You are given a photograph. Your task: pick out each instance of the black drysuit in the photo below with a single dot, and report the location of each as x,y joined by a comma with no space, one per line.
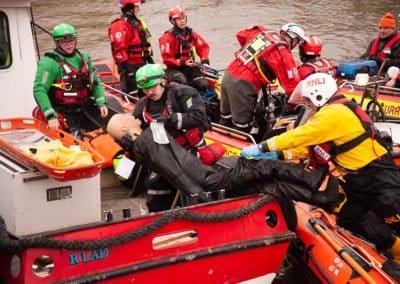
185,172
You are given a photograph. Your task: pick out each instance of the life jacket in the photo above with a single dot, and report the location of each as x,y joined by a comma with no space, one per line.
381,55
74,87
188,138
103,143
321,154
322,66
185,50
140,45
253,53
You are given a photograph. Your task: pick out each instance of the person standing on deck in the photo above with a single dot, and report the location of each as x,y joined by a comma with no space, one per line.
130,44
264,56
310,56
340,132
66,87
387,45
179,47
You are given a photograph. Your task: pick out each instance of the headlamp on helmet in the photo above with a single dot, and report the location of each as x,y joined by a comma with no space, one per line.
149,75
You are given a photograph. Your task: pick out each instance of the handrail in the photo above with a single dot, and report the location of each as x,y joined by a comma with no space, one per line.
233,132
122,93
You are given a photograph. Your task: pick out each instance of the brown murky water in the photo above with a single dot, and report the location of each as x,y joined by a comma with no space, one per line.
345,27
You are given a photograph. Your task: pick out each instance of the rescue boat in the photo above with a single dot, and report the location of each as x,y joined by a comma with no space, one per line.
53,228
383,103
156,248
53,231
325,253
362,81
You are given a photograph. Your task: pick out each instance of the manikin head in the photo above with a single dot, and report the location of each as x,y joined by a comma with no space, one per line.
123,123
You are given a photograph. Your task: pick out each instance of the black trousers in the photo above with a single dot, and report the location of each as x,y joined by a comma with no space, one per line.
189,76
373,202
128,80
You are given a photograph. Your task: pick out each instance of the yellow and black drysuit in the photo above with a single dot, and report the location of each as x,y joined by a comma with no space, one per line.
371,179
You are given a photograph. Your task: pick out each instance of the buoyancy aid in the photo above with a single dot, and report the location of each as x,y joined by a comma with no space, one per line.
381,55
323,66
140,45
74,87
185,39
253,53
322,154
187,138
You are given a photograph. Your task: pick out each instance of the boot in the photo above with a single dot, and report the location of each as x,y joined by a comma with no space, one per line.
392,266
395,250
330,198
287,190
247,171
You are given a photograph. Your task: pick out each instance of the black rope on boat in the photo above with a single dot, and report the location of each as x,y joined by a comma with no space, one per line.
10,244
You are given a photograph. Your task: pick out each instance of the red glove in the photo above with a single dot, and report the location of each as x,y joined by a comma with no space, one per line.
210,154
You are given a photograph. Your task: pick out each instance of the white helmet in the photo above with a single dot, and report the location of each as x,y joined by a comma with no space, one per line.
318,88
294,31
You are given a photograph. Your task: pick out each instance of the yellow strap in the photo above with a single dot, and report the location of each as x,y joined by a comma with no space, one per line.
62,86
260,70
146,29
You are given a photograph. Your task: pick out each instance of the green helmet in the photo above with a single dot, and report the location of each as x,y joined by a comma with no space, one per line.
149,75
63,30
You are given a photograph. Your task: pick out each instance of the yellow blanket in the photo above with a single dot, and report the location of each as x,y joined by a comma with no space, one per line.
55,154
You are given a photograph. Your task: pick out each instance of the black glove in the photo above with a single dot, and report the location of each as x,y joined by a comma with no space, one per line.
170,120
124,65
127,143
205,61
149,59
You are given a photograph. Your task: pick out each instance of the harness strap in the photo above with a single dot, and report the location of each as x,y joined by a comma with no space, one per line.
365,120
178,36
338,149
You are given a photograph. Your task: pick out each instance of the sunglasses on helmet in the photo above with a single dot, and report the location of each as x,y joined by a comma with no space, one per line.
145,80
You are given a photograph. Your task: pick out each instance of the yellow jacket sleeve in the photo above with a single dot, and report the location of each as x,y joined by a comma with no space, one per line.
336,123
295,153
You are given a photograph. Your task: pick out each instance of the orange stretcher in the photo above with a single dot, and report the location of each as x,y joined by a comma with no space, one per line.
15,133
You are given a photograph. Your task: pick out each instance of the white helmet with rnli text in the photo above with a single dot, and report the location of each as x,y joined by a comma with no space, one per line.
318,88
294,31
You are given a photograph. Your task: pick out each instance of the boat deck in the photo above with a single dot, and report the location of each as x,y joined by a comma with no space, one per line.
115,197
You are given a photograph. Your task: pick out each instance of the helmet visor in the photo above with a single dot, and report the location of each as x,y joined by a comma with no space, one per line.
297,95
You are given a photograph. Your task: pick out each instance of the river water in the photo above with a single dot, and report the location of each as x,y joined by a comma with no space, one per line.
345,27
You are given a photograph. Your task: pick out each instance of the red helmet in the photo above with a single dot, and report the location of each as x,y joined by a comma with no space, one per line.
176,12
123,3
312,45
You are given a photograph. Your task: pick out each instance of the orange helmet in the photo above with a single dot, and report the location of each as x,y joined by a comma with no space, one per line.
123,3
312,45
176,12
